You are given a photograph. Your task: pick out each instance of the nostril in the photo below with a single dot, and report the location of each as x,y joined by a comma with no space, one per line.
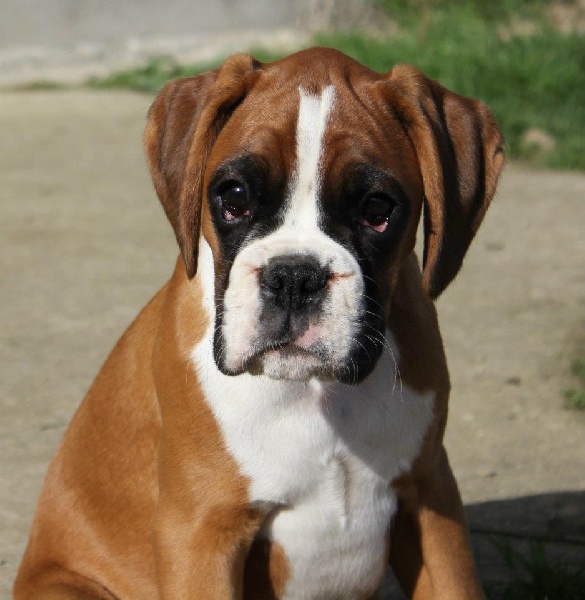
313,281
273,280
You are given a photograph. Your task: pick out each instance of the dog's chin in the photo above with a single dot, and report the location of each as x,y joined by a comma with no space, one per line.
284,363
289,363
293,363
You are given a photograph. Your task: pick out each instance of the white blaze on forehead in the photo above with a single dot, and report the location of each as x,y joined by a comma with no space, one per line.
313,114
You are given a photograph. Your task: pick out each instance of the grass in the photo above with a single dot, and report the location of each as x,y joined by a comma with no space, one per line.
405,11
575,397
149,78
152,76
42,85
536,577
531,82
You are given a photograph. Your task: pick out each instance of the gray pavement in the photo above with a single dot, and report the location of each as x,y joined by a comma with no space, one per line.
84,244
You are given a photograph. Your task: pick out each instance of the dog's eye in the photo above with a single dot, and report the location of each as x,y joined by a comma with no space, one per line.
234,201
376,211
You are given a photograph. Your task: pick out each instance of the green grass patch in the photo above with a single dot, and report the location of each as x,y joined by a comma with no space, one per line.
575,397
536,577
41,86
533,83
151,77
405,11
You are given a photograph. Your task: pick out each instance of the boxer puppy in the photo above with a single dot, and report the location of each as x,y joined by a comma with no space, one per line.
271,425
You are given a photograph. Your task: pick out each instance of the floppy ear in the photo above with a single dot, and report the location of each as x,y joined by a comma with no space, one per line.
183,124
460,152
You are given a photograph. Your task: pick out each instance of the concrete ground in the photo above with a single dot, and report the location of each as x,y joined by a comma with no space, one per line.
84,244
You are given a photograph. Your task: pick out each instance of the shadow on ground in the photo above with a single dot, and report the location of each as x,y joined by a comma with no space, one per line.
552,523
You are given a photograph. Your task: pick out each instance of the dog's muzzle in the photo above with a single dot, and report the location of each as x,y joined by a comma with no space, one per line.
297,314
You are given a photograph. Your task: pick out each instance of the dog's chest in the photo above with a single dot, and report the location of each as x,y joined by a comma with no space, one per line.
331,513
320,458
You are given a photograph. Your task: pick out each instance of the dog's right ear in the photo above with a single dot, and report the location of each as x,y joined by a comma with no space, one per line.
183,124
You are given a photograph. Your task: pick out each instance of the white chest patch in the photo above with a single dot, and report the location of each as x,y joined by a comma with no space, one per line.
323,456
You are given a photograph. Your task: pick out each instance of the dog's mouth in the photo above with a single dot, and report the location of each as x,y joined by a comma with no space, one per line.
294,354
290,361
302,356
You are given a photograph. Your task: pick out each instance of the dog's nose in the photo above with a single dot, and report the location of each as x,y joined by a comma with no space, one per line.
294,282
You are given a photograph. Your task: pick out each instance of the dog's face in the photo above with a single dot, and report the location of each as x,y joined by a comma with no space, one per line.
308,176
312,210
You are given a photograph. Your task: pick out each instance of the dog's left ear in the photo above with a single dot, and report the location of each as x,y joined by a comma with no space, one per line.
183,124
460,151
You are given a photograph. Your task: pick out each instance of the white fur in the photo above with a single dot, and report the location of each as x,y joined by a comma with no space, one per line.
322,456
312,121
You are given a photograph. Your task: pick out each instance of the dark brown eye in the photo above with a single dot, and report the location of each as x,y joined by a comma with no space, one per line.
376,211
234,201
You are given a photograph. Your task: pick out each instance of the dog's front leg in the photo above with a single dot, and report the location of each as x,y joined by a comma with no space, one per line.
430,550
201,550
204,524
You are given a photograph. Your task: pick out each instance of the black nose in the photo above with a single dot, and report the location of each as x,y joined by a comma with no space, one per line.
294,282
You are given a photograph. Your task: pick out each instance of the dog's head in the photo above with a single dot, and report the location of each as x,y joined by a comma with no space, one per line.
307,177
